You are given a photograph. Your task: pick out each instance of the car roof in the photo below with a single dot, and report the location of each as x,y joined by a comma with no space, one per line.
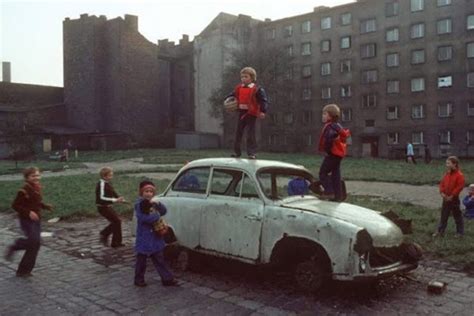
250,165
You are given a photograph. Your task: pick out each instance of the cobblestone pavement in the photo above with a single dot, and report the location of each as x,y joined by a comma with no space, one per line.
76,275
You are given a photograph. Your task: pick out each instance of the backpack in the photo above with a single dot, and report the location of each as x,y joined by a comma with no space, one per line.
339,146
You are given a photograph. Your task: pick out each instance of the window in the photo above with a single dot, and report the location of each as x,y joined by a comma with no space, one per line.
346,18
306,71
222,180
369,76
193,180
417,56
346,115
289,50
470,109
345,42
445,109
306,49
444,26
470,137
367,26
325,93
392,60
393,138
245,188
470,80
445,81
273,140
326,23
288,118
392,8
442,3
392,35
393,86
346,91
307,117
325,46
392,113
273,118
306,27
470,22
417,84
369,123
417,138
470,50
418,111
289,73
368,50
445,53
325,69
369,100
417,30
306,94
346,66
270,34
288,31
445,137
417,5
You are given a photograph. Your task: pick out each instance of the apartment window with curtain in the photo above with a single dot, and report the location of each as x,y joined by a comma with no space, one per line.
444,26
417,31
418,111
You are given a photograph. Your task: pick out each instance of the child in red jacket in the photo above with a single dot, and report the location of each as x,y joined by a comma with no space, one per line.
333,143
450,187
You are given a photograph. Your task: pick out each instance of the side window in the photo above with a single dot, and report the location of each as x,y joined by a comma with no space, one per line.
247,187
192,180
221,181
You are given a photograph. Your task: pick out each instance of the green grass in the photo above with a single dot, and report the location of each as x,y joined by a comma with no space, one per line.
425,221
10,167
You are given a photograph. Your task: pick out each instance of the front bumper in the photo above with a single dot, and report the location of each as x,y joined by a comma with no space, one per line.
386,271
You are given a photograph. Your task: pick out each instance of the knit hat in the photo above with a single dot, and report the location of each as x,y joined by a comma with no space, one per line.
146,184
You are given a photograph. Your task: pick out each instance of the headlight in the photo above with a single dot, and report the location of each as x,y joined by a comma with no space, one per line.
363,262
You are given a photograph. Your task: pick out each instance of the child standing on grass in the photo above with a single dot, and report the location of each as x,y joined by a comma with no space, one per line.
252,104
28,204
468,202
333,143
105,196
148,242
450,187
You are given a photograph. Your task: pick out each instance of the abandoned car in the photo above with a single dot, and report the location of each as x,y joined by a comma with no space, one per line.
252,211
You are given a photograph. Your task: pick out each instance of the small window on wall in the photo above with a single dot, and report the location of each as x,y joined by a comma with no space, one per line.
306,94
326,23
273,140
306,27
393,60
470,22
442,3
288,31
417,84
346,115
306,71
417,31
392,113
470,108
367,26
345,42
307,117
417,5
470,137
306,49
393,86
369,76
445,81
444,26
417,138
445,53
346,66
288,118
392,35
417,56
445,137
393,138
270,34
369,100
346,91
346,18
369,123
325,69
325,46
325,93
392,8
289,50
470,80
368,50
470,50
445,110
418,111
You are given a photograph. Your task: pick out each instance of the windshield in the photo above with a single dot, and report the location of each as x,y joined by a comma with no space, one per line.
278,184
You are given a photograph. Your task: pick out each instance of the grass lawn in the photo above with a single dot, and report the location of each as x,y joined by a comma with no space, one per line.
352,168
10,167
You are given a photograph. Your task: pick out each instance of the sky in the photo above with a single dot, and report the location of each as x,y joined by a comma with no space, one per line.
31,30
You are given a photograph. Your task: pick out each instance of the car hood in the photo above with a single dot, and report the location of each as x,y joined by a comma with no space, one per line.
383,231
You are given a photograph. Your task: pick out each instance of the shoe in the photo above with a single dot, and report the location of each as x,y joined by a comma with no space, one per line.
235,155
252,157
117,245
9,253
103,240
437,234
458,235
24,274
171,282
140,284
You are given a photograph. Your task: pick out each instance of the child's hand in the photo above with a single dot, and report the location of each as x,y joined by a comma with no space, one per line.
34,216
262,115
48,207
120,199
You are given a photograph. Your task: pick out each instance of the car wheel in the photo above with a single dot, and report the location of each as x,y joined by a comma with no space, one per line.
311,275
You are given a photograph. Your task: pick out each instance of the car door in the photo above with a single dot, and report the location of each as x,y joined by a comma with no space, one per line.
231,220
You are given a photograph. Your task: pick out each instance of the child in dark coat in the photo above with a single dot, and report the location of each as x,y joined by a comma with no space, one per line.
28,204
468,202
148,242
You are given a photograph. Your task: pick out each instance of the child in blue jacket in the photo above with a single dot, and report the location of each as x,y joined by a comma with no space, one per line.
468,202
148,242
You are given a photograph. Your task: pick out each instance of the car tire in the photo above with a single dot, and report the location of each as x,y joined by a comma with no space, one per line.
311,275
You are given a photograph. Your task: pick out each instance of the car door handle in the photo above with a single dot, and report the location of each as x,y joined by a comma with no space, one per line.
253,217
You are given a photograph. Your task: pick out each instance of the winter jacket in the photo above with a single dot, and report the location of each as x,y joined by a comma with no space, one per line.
252,96
105,193
147,241
468,202
28,199
298,186
452,183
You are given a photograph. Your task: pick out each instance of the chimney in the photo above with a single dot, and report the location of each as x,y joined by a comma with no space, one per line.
6,71
131,21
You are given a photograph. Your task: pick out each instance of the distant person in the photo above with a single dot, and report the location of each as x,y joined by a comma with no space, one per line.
148,242
28,205
105,196
410,155
298,186
252,104
427,154
468,202
188,182
450,187
333,143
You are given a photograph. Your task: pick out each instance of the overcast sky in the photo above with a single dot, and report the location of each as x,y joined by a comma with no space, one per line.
31,30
